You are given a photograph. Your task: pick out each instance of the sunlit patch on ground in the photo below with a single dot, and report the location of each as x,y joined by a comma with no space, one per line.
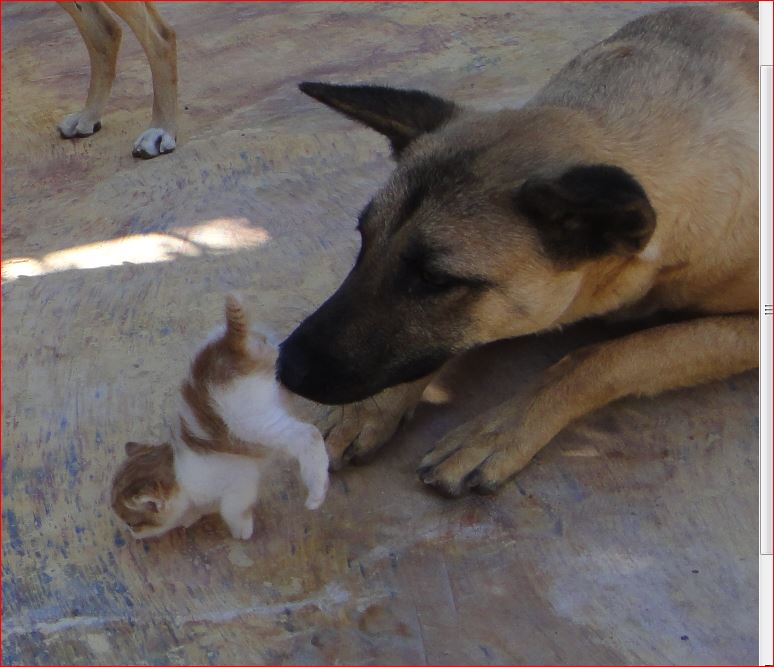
213,236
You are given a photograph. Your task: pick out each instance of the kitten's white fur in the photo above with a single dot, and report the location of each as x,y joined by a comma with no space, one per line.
253,410
208,484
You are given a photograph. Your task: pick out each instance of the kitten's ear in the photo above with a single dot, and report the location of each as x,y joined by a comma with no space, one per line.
149,503
132,448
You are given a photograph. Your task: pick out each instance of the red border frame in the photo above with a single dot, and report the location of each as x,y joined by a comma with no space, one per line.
448,1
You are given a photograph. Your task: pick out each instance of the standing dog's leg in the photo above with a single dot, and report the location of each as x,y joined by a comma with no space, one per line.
649,362
158,41
102,35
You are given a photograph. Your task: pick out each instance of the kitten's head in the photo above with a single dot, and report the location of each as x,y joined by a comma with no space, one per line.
145,494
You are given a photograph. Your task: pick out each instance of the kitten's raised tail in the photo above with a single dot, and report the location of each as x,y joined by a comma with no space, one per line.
237,329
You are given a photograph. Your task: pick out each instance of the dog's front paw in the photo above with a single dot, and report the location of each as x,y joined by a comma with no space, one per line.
153,142
470,459
79,124
353,433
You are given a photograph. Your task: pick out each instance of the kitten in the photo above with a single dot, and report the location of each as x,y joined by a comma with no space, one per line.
233,419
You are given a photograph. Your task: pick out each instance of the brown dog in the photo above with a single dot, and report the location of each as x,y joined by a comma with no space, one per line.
626,186
102,34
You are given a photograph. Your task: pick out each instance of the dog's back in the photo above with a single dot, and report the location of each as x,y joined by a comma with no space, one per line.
675,94
676,61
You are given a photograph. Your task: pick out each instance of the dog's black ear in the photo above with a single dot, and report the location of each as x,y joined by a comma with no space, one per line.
588,212
400,115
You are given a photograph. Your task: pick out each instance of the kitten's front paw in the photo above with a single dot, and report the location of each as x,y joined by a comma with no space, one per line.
315,499
153,142
79,124
243,530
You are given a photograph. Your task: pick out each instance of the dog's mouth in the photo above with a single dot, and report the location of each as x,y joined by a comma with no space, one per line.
319,382
330,395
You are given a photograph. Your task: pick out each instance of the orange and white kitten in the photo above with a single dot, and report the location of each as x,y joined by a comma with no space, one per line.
233,420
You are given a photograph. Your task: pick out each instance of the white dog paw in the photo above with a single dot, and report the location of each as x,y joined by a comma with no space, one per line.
153,142
80,124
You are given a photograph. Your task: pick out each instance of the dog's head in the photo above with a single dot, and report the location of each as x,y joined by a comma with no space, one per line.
482,232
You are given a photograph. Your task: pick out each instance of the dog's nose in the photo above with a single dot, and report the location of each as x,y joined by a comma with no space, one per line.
292,365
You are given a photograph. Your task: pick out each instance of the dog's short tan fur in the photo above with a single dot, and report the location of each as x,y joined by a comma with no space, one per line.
102,34
669,103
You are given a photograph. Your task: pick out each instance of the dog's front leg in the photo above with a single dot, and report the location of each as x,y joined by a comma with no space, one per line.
159,43
354,432
483,455
102,36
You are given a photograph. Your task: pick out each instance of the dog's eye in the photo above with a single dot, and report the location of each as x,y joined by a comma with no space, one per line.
436,280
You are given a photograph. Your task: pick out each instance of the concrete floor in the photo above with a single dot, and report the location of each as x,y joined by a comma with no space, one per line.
631,539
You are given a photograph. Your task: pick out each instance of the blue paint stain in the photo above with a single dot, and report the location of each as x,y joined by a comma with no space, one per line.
12,652
12,527
72,464
63,423
121,590
577,492
80,530
118,540
10,591
45,614
165,331
99,589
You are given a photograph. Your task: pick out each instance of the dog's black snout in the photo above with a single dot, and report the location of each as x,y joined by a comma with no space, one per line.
293,365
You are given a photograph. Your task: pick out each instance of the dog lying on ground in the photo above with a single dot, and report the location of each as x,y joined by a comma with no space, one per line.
101,32
627,186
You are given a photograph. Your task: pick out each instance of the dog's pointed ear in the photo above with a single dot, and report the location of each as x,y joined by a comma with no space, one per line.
400,115
588,212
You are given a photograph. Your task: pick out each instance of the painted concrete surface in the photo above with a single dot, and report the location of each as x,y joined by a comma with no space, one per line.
631,538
